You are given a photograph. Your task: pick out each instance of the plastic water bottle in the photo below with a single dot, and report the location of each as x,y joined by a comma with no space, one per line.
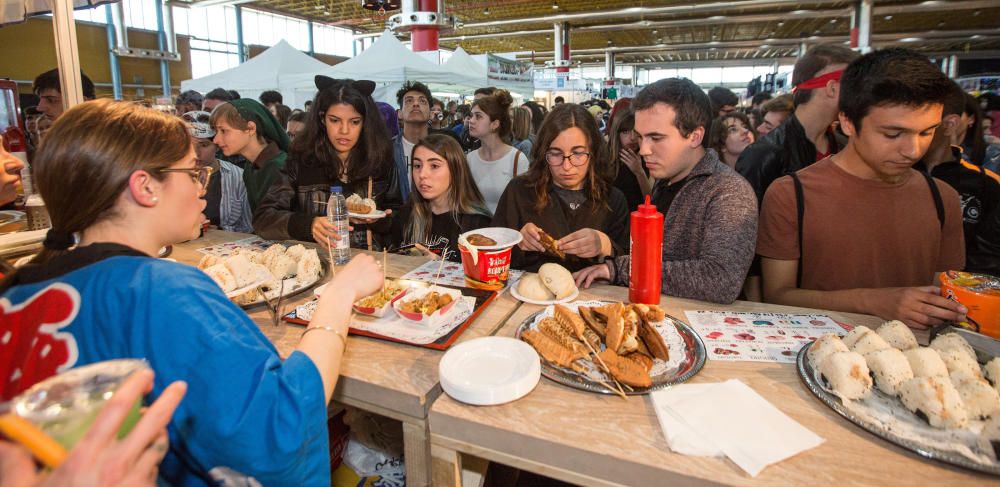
336,213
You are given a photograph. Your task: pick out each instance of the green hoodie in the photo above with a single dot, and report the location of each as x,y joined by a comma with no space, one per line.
264,170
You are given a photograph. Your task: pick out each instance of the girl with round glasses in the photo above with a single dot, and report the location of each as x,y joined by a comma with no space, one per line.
567,195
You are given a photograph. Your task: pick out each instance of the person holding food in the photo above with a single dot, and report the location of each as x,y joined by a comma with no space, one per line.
445,201
343,144
244,127
121,181
565,207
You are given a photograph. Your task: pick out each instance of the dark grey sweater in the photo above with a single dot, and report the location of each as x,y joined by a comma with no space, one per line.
709,234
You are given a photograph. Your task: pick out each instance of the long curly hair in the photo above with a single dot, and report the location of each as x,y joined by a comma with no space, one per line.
563,117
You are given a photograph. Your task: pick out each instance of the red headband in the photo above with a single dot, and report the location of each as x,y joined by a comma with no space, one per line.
819,81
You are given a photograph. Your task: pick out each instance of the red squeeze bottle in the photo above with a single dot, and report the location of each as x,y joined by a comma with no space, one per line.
646,247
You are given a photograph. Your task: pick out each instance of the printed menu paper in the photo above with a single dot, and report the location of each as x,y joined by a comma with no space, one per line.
759,337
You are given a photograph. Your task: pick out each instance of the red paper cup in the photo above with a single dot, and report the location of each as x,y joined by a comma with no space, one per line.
490,268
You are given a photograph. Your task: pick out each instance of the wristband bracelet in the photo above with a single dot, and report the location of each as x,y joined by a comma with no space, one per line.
336,332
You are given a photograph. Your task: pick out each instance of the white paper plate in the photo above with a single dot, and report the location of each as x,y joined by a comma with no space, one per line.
489,370
375,215
567,299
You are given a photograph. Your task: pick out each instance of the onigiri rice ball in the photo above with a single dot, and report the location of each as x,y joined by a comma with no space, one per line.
959,361
935,400
869,342
889,368
848,375
853,335
981,400
993,372
925,362
953,340
823,347
897,334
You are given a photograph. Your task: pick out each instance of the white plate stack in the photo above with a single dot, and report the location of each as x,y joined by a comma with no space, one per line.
490,370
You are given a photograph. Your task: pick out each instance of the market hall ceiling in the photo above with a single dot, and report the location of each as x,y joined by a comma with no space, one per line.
677,30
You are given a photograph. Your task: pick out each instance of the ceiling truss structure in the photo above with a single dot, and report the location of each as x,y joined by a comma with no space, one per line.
645,31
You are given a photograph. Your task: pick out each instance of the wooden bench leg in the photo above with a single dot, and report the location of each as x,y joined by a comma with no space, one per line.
416,452
446,465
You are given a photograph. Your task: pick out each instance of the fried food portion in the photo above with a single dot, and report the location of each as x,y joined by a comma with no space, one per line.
357,204
645,361
562,334
653,340
552,351
651,312
382,296
427,304
592,321
550,244
567,317
616,326
625,370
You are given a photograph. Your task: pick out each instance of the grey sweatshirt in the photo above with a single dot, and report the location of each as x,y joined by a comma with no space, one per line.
709,234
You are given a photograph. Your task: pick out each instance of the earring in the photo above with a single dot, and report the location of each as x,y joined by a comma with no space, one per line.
156,199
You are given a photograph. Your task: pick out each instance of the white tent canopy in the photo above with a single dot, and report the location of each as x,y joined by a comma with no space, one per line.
262,73
462,62
389,64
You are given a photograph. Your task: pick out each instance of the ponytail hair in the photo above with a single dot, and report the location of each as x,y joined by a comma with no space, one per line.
497,107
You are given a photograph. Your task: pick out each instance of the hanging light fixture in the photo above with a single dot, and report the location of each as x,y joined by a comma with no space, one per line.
555,5
380,6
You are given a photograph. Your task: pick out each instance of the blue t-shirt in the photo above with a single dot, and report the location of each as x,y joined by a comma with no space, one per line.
246,412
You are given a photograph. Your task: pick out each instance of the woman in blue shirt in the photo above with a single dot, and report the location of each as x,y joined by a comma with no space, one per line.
119,182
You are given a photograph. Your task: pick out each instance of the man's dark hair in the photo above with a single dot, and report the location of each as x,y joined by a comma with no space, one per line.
219,94
892,76
308,104
271,96
298,116
485,91
435,101
955,103
760,98
559,99
190,96
814,61
412,86
49,80
462,111
691,106
720,97
234,95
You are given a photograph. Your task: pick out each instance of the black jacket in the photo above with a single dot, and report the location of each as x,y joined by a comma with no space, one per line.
980,200
300,194
783,151
517,207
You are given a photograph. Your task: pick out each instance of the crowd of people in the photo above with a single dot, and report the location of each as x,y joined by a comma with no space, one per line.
850,193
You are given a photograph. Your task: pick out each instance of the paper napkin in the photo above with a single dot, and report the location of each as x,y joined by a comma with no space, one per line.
729,418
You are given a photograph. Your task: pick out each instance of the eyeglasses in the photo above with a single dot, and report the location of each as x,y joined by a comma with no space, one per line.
201,175
557,158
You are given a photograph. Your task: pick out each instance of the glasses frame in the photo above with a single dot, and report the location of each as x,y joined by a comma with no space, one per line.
195,173
575,156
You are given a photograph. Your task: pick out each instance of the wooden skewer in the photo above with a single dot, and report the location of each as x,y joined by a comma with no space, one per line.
604,365
385,268
612,389
440,267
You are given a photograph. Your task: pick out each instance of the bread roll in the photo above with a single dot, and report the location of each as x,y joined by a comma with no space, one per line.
531,287
558,279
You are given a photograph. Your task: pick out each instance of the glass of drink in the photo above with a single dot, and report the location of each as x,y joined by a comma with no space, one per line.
64,406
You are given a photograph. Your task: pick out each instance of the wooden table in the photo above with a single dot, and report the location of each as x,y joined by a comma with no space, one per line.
390,379
592,439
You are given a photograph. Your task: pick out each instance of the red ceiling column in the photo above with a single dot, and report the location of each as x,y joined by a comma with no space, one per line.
425,38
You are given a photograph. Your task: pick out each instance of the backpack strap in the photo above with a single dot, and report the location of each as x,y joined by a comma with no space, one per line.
800,210
517,155
936,194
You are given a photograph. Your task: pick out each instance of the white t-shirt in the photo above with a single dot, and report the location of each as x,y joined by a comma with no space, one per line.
492,176
407,152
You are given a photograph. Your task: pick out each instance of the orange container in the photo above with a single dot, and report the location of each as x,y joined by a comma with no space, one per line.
489,268
978,292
